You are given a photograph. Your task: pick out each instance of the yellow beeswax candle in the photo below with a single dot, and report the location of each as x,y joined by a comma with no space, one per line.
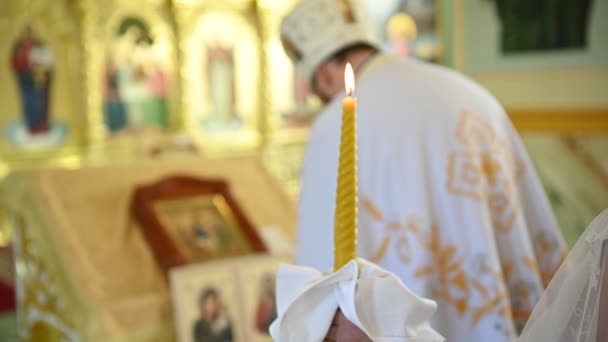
345,221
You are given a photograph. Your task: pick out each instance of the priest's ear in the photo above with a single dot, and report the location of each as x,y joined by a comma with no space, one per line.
328,80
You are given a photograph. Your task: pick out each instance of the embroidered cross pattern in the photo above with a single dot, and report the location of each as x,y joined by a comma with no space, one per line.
396,234
446,267
483,168
474,295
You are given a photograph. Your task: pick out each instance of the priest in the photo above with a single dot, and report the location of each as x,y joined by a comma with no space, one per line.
448,198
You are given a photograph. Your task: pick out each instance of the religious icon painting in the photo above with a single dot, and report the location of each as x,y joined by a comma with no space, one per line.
32,62
188,220
206,303
225,300
221,80
204,227
41,98
259,297
137,72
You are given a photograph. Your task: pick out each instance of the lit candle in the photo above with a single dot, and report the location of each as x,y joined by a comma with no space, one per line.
345,221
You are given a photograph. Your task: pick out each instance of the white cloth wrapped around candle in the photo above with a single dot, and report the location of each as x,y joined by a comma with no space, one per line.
375,300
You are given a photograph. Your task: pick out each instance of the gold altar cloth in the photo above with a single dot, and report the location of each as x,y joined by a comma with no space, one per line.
83,265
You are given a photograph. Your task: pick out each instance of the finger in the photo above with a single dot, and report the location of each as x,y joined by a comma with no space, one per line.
332,333
338,317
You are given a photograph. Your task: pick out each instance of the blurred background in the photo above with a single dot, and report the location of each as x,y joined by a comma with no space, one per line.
134,84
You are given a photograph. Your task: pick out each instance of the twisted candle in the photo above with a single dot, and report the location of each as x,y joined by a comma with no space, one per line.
345,220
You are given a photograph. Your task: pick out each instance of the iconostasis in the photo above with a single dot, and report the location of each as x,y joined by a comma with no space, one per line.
83,80
87,81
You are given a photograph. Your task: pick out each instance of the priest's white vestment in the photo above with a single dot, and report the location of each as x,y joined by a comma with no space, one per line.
448,198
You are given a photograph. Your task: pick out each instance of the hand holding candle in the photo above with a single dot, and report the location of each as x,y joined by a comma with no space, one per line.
345,221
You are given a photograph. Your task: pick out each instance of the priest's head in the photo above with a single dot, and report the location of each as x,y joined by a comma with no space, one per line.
321,36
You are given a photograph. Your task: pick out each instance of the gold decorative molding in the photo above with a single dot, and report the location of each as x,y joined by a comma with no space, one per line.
562,121
235,24
230,5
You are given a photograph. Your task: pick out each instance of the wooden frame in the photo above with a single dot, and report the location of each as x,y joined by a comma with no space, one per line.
144,209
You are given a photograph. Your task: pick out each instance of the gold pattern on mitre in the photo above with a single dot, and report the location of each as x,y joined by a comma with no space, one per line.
347,10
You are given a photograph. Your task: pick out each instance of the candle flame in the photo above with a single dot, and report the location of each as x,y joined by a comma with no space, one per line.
349,79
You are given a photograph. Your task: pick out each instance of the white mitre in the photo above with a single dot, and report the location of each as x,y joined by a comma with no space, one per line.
316,29
373,299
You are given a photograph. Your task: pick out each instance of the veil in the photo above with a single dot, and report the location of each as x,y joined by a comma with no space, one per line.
570,309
